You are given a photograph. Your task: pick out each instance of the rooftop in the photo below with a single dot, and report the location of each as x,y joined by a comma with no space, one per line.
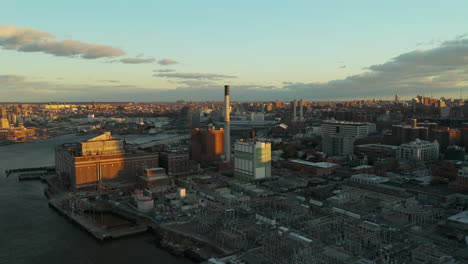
345,123
419,142
314,164
370,177
460,217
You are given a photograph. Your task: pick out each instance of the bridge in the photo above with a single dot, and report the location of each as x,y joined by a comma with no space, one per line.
164,141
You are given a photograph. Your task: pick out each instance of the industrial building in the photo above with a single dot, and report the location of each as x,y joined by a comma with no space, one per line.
156,180
176,163
84,164
207,144
252,160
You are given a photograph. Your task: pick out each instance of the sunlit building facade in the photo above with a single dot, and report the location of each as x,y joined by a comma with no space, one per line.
85,164
252,160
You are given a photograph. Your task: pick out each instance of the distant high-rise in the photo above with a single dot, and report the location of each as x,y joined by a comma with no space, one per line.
294,114
301,110
3,112
294,107
4,123
278,104
397,99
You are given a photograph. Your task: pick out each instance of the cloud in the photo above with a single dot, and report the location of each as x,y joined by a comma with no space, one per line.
12,37
206,76
71,48
31,40
137,60
110,81
167,62
11,78
442,69
431,42
165,70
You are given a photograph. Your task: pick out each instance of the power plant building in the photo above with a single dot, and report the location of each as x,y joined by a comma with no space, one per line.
207,144
252,160
85,164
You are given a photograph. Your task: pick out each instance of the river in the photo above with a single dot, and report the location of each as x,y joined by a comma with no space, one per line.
31,232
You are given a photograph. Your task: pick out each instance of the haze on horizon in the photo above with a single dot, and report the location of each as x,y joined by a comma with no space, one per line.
155,51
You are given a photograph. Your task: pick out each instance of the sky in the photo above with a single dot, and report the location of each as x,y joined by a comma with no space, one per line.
160,51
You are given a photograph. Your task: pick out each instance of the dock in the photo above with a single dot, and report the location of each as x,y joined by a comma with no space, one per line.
45,169
31,176
96,230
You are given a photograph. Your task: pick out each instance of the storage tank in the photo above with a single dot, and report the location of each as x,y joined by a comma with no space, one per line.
137,194
145,203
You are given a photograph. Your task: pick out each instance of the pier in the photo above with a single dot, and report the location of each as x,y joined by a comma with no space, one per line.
93,228
45,169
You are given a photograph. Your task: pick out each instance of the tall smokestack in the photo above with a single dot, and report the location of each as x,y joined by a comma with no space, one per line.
227,125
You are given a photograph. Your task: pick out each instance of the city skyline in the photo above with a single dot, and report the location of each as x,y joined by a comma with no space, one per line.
162,52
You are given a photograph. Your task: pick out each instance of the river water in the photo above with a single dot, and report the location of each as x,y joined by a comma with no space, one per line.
31,232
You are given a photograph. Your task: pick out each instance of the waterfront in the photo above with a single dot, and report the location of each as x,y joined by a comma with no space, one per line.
34,233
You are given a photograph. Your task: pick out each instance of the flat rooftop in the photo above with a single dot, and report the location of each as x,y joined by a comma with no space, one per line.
460,217
314,164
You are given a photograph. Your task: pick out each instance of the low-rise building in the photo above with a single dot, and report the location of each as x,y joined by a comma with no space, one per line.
461,181
318,169
459,221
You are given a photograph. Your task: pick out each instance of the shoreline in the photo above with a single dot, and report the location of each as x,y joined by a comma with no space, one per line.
176,243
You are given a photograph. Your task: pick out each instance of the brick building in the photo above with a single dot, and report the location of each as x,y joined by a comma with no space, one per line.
84,164
176,163
207,144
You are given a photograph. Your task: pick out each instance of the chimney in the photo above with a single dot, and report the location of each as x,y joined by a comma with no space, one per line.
227,124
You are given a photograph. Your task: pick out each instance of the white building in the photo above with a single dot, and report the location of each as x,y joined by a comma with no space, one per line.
368,178
338,136
419,150
252,160
256,116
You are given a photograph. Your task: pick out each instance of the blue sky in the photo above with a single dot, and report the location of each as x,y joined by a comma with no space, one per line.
268,49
